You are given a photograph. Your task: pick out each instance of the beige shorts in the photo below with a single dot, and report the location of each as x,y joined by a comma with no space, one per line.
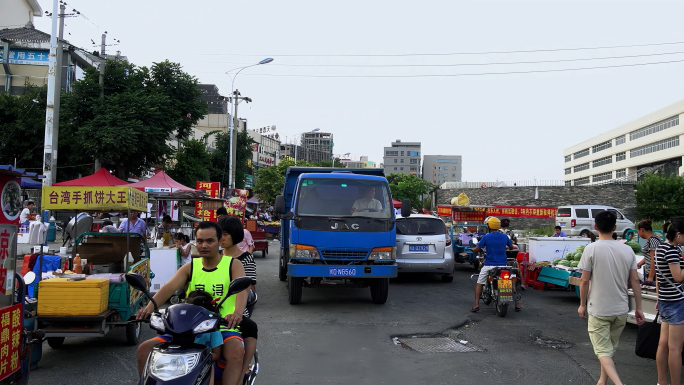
604,333
482,278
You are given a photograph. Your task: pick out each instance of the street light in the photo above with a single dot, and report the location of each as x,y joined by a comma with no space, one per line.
233,123
300,135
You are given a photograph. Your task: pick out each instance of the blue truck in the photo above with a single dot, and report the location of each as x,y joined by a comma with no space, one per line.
337,224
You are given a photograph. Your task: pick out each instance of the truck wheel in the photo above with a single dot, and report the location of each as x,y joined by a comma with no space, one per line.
55,342
282,268
294,293
379,290
133,333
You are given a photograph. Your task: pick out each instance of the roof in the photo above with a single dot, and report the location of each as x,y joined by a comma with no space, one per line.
7,169
24,34
159,180
101,177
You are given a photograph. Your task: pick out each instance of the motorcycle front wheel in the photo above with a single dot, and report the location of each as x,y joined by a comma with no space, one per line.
501,309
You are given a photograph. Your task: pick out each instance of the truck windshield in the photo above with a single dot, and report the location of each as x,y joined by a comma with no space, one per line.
344,197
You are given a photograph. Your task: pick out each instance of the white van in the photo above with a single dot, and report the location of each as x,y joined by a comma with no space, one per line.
579,219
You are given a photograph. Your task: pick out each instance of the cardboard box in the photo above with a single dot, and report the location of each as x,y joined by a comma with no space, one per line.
574,280
59,296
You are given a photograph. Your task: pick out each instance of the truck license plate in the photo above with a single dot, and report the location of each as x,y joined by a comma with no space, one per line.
419,248
341,272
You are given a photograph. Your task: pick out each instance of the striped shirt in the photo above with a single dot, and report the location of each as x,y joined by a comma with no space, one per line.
651,244
250,270
665,255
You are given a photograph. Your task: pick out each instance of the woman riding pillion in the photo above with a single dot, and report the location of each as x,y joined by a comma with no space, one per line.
496,243
211,273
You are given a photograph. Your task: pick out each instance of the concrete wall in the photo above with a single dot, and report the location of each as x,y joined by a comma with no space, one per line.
621,197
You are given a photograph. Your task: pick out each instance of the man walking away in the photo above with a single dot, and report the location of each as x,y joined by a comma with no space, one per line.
608,265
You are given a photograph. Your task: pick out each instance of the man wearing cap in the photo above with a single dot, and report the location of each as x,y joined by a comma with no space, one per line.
496,243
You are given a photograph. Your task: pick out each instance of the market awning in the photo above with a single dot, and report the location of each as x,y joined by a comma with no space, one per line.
93,198
30,183
208,203
255,200
160,182
101,177
396,204
8,169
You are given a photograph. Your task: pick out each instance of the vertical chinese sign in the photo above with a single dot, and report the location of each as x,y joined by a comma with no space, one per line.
237,203
213,189
10,337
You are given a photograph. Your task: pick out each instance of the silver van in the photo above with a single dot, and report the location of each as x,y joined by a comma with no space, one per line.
579,219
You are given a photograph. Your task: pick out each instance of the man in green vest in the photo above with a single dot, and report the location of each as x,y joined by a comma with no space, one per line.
211,273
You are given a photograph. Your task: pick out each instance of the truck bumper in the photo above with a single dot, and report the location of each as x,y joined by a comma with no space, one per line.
342,271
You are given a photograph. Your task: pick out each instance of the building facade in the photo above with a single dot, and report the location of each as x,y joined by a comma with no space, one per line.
402,158
319,142
627,152
438,169
298,153
363,162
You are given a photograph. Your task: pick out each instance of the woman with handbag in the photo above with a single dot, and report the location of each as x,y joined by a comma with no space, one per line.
669,266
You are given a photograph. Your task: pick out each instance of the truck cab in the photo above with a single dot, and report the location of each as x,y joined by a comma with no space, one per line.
337,224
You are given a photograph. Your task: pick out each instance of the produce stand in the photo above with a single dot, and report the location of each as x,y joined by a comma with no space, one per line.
90,306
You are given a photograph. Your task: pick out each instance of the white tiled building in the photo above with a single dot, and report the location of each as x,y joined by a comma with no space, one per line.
629,150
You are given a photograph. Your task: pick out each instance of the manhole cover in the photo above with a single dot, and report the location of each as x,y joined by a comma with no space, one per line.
436,345
553,343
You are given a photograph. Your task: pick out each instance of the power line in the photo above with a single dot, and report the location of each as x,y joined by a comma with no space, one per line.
450,54
465,74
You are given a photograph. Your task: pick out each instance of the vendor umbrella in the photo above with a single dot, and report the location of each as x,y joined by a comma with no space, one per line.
396,204
101,177
160,181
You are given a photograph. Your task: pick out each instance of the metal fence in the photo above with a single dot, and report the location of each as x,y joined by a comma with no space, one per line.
631,180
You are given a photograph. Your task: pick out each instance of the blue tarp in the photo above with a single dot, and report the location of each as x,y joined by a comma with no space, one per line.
30,183
50,263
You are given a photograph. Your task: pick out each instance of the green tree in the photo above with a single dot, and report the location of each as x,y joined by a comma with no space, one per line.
22,127
220,158
408,186
271,180
191,163
660,198
129,127
329,163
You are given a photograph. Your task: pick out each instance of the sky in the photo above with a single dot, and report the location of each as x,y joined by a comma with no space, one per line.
371,72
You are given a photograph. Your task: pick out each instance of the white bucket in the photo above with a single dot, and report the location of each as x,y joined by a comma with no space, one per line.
62,250
36,249
46,249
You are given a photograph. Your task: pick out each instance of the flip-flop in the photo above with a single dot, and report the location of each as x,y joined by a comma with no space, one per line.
518,308
474,309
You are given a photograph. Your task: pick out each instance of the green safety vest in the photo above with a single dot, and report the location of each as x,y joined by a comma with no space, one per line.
214,282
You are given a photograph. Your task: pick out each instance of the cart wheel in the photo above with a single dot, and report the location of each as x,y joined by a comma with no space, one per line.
55,342
379,290
133,333
174,300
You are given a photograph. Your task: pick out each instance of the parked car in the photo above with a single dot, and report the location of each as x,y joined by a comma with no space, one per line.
579,219
424,246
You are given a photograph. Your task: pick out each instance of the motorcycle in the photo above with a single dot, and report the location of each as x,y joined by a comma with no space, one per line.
182,361
499,286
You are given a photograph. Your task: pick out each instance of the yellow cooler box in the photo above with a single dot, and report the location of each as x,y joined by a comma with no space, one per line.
59,296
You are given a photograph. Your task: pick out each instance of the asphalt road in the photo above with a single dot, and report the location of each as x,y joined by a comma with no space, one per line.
338,336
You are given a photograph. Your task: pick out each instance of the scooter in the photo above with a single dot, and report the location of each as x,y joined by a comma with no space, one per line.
499,287
182,361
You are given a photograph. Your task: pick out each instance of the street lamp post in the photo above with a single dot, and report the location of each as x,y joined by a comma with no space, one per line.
233,123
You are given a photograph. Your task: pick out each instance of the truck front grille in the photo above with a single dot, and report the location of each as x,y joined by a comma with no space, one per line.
342,254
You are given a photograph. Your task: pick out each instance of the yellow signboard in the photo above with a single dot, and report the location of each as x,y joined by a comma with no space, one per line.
86,198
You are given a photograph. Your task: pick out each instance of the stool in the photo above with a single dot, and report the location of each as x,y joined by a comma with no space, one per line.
96,227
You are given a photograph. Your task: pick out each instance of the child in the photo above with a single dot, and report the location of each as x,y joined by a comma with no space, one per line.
183,244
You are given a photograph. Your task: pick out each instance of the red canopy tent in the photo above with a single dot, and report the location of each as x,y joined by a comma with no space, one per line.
101,177
396,204
160,181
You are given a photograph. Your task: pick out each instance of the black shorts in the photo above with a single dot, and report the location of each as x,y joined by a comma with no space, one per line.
248,328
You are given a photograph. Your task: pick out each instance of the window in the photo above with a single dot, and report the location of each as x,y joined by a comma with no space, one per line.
443,161
568,183
621,173
595,212
453,175
402,160
413,161
568,171
654,147
581,167
601,146
420,226
580,154
402,153
620,156
601,177
401,168
568,158
565,212
396,160
391,153
395,169
582,213
413,153
655,127
581,181
620,140
602,161
445,175
617,213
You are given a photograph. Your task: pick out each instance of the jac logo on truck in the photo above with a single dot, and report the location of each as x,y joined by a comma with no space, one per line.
344,226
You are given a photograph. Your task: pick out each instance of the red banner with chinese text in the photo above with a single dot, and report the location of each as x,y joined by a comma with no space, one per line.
522,212
474,216
213,189
444,211
10,338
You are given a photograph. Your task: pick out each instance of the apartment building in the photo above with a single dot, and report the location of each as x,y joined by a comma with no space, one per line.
627,152
402,158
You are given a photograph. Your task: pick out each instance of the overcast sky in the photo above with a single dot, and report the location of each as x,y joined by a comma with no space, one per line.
333,61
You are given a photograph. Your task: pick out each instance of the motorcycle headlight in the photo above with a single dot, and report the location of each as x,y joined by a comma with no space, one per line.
383,253
167,367
205,326
304,251
157,323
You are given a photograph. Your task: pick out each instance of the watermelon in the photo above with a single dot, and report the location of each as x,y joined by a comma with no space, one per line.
574,263
577,257
568,256
564,263
580,249
635,246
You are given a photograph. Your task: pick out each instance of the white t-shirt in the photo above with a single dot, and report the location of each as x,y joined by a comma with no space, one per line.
363,204
24,215
610,263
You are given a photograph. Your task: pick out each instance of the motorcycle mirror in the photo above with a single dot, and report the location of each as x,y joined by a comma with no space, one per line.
137,281
29,278
237,285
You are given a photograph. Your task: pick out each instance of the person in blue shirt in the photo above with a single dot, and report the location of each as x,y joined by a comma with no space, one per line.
496,243
558,232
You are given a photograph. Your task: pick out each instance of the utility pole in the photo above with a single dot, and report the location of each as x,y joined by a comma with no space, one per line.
50,108
233,135
103,61
58,91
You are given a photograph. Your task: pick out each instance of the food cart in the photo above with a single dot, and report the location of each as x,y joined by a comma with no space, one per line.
76,305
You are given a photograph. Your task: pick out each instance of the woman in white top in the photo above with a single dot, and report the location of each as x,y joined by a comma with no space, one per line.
183,244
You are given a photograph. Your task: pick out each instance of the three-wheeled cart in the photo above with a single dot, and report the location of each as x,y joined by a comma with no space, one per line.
91,306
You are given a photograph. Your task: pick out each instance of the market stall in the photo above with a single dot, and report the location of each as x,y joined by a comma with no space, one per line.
98,299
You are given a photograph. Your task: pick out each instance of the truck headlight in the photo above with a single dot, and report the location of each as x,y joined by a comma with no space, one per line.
304,251
167,367
383,253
